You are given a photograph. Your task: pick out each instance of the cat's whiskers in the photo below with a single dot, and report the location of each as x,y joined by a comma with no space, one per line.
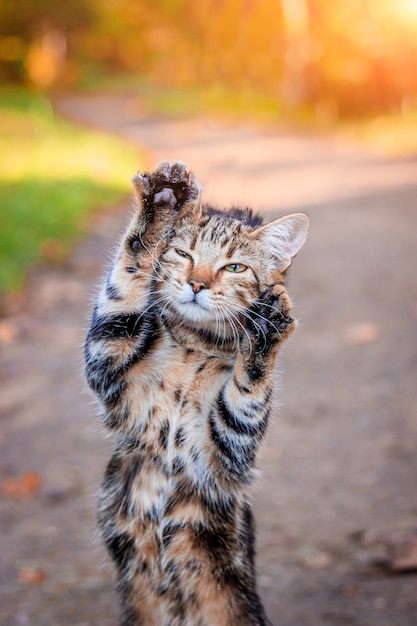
217,319
248,312
236,337
168,302
265,320
151,306
243,328
259,328
220,315
226,313
155,276
156,260
165,271
156,293
147,275
220,336
153,256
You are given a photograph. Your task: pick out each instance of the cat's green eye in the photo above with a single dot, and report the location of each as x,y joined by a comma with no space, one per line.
235,268
183,254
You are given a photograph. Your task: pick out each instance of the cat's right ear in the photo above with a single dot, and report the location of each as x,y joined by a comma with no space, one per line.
284,237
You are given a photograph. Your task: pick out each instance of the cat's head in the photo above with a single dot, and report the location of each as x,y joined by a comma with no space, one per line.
219,262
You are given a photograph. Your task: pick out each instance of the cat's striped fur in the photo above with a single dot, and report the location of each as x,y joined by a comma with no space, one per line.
181,353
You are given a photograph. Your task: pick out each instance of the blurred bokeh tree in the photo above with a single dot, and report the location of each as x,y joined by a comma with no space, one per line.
332,58
37,39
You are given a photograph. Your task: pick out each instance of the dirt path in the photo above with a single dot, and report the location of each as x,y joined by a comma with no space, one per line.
340,467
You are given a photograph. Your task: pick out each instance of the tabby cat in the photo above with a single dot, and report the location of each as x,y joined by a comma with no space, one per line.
181,354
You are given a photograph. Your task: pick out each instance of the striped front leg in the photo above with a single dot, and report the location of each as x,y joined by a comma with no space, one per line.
115,343
239,418
124,329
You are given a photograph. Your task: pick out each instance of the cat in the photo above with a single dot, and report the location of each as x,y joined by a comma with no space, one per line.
181,352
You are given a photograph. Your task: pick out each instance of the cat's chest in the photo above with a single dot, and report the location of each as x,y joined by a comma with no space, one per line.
178,427
173,385
173,443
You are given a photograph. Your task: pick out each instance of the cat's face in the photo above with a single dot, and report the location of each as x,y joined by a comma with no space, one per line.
212,276
214,269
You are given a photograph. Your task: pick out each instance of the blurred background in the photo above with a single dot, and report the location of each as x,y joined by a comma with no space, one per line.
286,105
310,59
308,63
311,64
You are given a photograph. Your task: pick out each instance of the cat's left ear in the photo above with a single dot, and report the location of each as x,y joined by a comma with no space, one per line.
284,237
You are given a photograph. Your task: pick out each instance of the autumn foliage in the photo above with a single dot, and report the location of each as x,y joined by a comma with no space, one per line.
336,58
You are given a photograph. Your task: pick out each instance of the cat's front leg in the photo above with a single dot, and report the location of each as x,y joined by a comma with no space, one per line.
124,329
243,405
162,198
269,325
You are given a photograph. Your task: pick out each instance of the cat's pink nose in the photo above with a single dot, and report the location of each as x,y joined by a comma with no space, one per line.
197,285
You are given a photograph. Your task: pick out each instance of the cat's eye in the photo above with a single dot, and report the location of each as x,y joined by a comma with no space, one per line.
235,268
183,254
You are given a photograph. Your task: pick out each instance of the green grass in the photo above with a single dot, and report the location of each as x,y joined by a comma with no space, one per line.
52,176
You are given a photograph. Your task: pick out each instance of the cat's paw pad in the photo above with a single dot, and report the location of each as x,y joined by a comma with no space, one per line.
165,197
173,182
170,185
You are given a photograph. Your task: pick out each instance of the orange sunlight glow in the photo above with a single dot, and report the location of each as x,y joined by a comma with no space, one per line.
408,8
403,11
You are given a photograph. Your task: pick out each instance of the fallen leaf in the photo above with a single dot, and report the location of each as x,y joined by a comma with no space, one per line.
51,250
404,556
8,332
360,334
395,552
315,559
24,486
31,574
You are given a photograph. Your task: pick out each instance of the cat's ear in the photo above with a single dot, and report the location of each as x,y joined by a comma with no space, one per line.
284,237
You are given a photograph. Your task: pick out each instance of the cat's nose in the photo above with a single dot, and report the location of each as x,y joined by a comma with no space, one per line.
197,285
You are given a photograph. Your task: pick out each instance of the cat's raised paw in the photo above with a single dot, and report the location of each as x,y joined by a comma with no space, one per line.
270,319
171,185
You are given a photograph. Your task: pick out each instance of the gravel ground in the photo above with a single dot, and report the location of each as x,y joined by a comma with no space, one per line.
337,488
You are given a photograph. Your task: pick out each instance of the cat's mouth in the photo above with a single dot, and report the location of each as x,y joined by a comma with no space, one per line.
194,301
195,308
194,304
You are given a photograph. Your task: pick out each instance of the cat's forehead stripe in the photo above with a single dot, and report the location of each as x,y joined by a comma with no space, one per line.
193,241
242,216
216,231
